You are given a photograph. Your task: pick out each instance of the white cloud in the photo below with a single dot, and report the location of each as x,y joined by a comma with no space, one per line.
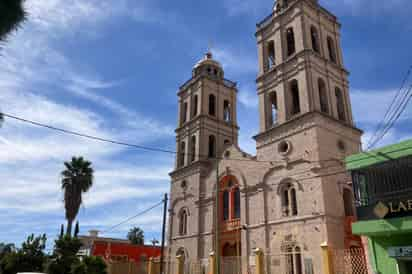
235,62
369,106
248,97
35,74
366,7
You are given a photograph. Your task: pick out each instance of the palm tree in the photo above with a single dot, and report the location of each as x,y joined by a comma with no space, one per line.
136,236
77,179
12,14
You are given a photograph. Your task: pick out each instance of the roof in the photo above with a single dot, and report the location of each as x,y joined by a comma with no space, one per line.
378,156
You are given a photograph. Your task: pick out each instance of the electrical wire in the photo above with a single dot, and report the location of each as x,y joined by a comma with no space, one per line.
146,148
132,217
395,116
388,111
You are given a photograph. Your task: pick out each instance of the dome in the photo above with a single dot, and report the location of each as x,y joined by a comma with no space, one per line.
208,66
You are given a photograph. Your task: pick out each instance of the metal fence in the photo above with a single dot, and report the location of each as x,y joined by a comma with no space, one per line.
350,261
291,262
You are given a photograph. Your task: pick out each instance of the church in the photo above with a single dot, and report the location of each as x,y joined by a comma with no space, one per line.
294,194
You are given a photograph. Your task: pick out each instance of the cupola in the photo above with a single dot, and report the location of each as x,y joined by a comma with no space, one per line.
208,66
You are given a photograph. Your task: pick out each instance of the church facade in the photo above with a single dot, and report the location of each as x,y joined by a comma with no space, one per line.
294,194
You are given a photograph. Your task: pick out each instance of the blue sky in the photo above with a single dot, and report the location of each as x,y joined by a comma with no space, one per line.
111,68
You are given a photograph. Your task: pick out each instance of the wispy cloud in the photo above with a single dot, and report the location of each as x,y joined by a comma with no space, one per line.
36,79
365,7
247,96
236,62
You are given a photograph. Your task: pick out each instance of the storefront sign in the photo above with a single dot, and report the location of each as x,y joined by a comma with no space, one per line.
399,252
393,209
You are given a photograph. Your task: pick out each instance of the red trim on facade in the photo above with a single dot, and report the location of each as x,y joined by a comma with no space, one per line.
134,253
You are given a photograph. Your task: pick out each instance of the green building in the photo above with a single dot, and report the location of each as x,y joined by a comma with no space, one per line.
382,182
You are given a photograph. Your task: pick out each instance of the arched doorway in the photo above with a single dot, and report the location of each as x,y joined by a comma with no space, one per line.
230,235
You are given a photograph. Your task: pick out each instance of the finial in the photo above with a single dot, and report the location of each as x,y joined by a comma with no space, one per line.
209,50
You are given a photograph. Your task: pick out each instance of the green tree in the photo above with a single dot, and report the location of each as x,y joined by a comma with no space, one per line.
12,14
6,249
90,265
29,258
64,255
77,179
136,236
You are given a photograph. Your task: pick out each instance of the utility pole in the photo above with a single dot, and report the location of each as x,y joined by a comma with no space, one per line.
163,235
217,243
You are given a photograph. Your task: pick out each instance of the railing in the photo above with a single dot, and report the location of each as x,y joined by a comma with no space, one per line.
226,82
383,182
265,22
231,225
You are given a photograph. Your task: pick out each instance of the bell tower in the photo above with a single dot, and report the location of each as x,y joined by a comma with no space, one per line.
207,114
301,82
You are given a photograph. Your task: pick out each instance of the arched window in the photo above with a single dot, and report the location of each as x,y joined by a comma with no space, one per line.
290,40
230,199
227,111
340,104
182,154
236,202
323,96
184,112
348,202
183,222
195,106
315,39
212,146
225,205
331,49
293,202
298,260
212,105
226,142
295,100
289,201
273,108
271,54
193,149
293,258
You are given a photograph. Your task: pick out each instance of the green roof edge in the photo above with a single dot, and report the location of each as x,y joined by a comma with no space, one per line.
381,155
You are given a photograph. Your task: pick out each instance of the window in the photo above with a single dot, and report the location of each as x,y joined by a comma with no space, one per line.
194,106
348,202
225,205
227,111
315,39
212,146
193,149
184,112
293,259
230,199
182,154
289,201
290,40
273,108
295,100
323,96
212,105
236,198
183,222
270,54
340,105
331,49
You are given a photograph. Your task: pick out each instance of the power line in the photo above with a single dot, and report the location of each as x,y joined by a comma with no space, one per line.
395,116
74,133
146,148
389,110
133,217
